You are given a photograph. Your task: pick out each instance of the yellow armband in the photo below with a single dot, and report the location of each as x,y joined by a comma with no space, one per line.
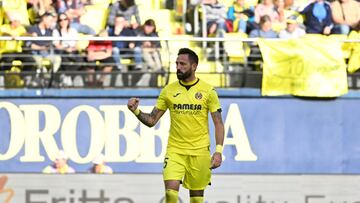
219,149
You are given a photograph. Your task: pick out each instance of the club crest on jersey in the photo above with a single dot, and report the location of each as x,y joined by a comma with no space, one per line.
198,95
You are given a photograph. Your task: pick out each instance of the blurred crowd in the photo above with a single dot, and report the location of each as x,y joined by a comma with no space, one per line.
281,18
71,19
65,18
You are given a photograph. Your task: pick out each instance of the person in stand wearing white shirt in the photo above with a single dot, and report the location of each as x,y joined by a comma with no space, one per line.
292,29
67,48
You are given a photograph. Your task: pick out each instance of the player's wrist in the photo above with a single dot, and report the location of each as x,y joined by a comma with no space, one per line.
136,111
219,148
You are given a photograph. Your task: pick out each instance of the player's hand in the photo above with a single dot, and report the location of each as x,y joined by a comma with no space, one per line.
133,104
216,160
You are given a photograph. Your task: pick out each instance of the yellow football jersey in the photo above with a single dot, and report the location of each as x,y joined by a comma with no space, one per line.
189,106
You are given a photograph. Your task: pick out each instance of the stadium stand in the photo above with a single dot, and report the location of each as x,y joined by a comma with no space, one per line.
226,61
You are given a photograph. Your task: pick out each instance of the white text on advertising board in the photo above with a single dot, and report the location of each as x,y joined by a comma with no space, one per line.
105,133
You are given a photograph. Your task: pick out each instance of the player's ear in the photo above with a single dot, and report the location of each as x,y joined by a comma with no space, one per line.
194,66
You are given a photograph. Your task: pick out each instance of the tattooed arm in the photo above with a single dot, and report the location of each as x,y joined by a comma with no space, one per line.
219,127
148,119
219,138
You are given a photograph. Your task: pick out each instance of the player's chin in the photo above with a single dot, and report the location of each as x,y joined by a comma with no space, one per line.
179,76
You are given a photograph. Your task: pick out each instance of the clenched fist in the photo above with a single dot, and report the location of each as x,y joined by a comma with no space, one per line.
133,103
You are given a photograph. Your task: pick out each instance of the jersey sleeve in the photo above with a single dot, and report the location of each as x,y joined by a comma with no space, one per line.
213,101
161,101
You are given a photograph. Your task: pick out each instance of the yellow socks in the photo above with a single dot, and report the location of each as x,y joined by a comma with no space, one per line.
171,196
197,199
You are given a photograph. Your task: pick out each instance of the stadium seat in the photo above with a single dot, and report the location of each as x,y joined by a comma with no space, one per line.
163,19
147,7
210,71
102,3
12,77
95,17
236,50
126,63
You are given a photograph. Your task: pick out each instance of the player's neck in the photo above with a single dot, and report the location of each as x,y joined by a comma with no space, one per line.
189,81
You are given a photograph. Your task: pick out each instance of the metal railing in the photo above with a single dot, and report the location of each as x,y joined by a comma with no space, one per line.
226,73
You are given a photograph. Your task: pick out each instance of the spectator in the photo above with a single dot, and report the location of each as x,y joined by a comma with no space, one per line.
265,30
239,14
318,18
37,8
43,49
60,165
280,9
150,53
100,166
150,49
100,54
126,8
280,23
215,18
12,50
267,7
124,49
346,15
67,49
292,29
74,9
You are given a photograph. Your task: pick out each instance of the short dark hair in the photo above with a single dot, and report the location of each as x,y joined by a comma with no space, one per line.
192,55
264,19
46,14
150,22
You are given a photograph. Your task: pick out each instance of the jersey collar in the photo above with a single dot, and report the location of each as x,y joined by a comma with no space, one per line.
188,85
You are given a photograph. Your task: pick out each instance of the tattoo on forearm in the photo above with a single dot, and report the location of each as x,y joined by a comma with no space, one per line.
219,127
148,119
217,116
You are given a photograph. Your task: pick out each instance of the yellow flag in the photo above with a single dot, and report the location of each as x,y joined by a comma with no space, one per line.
312,67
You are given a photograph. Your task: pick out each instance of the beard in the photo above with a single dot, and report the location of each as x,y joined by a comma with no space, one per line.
183,75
